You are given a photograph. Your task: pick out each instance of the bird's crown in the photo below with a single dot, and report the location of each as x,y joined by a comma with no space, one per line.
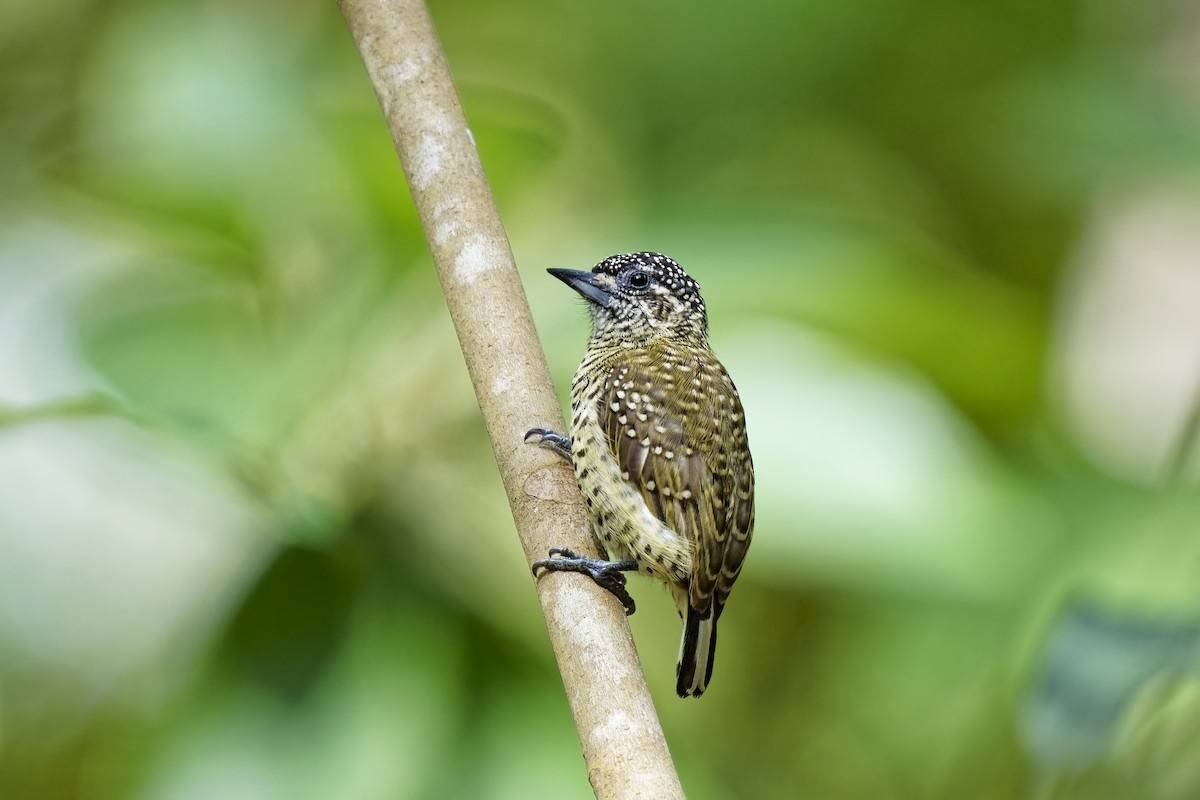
646,293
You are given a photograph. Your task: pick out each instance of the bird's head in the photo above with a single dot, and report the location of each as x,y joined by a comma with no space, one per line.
640,297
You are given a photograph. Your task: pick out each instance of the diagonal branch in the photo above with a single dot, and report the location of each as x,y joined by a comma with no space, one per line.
622,740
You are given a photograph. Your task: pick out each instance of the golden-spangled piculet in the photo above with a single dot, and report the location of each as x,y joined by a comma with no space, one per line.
658,444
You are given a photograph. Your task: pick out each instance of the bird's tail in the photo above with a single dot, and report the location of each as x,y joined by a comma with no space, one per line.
696,652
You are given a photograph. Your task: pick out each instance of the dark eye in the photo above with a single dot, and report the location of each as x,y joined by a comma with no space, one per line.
639,280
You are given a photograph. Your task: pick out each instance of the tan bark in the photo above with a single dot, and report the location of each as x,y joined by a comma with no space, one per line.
623,743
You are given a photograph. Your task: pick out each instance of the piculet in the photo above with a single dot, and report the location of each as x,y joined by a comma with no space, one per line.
658,444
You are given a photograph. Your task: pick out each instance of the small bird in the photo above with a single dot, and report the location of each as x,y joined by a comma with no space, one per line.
658,444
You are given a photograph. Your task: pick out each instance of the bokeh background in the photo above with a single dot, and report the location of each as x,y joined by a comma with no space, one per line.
252,542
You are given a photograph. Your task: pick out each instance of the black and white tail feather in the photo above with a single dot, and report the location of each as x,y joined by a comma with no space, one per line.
697,649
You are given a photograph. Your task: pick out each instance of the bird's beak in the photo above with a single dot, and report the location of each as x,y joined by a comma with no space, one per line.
585,283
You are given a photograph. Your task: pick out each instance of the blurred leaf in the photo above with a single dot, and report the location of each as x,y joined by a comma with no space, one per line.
1093,663
290,628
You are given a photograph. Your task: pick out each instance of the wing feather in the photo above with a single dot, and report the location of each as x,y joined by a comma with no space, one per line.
676,429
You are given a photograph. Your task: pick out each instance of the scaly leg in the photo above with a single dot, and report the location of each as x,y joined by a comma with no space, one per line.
607,574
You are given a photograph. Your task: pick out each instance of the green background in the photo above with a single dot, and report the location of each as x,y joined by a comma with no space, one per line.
252,541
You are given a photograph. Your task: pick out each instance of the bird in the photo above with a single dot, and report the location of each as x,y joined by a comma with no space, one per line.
659,449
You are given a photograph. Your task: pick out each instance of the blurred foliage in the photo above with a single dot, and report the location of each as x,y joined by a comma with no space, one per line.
252,544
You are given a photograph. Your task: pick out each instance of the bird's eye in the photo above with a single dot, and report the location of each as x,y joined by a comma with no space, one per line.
639,280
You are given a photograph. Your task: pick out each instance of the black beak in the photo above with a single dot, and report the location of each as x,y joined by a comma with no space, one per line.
584,283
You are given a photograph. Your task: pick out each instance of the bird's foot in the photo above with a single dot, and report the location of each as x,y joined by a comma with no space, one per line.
550,440
609,575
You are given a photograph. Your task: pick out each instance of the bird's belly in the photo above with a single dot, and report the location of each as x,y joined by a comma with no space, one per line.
620,517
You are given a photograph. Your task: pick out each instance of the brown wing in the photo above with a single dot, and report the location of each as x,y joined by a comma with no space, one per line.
675,425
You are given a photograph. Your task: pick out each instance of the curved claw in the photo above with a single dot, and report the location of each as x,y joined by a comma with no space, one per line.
551,440
609,575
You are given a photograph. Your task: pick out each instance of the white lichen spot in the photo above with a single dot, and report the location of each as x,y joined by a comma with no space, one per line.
427,160
475,258
618,728
407,70
444,224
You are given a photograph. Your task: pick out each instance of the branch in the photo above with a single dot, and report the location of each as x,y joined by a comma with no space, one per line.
623,743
